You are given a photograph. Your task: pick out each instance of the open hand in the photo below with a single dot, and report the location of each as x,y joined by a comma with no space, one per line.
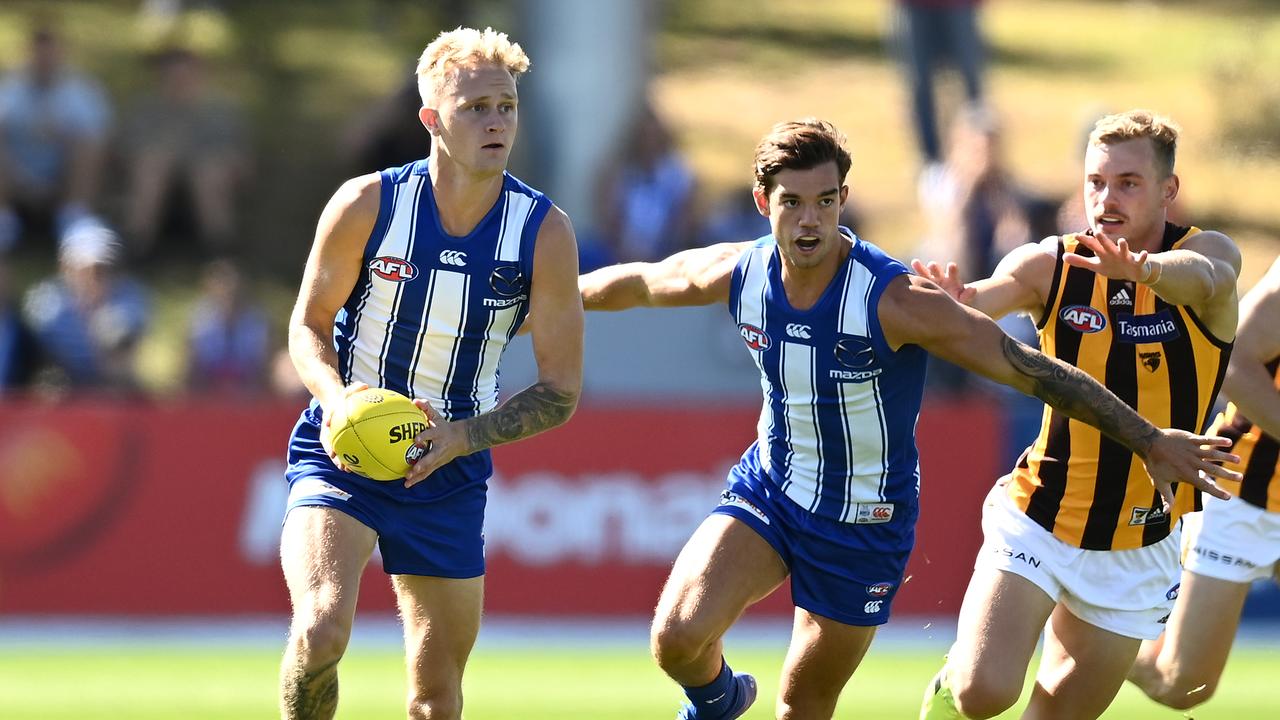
947,278
1180,456
1112,258
442,440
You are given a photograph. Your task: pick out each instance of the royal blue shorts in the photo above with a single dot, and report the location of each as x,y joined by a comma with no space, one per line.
842,571
435,528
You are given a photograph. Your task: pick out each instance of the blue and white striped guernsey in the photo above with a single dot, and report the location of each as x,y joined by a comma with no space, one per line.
431,313
837,429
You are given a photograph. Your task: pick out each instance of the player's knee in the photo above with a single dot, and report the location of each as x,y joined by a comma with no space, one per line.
983,694
1183,693
321,641
675,643
436,704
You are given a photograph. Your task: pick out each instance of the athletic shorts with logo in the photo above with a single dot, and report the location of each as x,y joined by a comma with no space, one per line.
1127,592
843,571
1231,540
435,528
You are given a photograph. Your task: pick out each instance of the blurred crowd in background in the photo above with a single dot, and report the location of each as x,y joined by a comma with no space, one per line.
110,190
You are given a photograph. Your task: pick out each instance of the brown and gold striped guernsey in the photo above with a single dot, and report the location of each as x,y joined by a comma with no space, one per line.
1084,487
1259,454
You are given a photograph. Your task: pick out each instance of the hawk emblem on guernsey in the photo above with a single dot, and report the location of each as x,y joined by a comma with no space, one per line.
1150,360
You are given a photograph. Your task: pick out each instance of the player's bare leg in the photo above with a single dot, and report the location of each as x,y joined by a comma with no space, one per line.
822,657
1000,623
441,618
1081,669
323,552
723,569
1182,667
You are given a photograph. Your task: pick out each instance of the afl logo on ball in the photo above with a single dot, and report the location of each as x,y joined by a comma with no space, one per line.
393,268
1083,318
754,337
414,453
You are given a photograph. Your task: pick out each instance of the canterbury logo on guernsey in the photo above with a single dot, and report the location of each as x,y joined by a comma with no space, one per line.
797,330
453,257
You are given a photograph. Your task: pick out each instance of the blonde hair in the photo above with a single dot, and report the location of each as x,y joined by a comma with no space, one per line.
1138,124
463,46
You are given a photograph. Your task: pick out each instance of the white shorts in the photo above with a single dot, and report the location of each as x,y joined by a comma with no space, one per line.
1127,592
1231,540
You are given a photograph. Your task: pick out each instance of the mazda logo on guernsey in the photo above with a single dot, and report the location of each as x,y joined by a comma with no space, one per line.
855,352
507,280
754,337
453,257
393,268
1083,318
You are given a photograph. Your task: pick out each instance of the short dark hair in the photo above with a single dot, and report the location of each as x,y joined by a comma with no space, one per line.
800,145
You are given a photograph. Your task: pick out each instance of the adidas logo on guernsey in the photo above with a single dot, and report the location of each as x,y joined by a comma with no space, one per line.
453,257
1121,298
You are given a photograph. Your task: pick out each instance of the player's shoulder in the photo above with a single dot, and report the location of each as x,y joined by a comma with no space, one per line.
511,183
873,257
360,187
1214,244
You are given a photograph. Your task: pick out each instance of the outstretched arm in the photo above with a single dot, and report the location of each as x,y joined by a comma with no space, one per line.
913,310
1201,273
1020,283
691,277
555,319
1248,383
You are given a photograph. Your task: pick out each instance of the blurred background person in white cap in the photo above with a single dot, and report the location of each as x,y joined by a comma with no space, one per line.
89,317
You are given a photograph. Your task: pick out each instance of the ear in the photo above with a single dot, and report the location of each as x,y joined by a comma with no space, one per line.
844,194
1171,186
430,119
762,200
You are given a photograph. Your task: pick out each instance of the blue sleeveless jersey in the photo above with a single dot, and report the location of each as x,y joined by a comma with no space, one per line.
837,428
431,314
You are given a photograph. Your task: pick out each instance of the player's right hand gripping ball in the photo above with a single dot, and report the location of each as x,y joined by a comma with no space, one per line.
375,438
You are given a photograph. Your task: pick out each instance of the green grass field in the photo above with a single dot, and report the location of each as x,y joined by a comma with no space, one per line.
125,683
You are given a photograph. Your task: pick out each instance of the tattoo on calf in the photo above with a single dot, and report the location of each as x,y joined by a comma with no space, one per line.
1079,396
311,694
536,408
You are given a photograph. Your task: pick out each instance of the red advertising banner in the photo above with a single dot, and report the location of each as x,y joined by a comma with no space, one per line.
153,510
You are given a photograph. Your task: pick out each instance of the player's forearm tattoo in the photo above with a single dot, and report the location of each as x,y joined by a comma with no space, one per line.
536,408
311,693
1076,395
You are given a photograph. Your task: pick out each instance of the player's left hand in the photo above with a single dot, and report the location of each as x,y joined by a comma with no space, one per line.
443,441
1112,258
1180,456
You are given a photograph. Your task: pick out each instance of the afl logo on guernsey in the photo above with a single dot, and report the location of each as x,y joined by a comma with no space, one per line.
393,268
754,337
1083,318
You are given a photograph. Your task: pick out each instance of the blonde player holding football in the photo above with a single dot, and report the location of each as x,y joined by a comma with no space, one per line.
418,278
1232,542
1075,543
